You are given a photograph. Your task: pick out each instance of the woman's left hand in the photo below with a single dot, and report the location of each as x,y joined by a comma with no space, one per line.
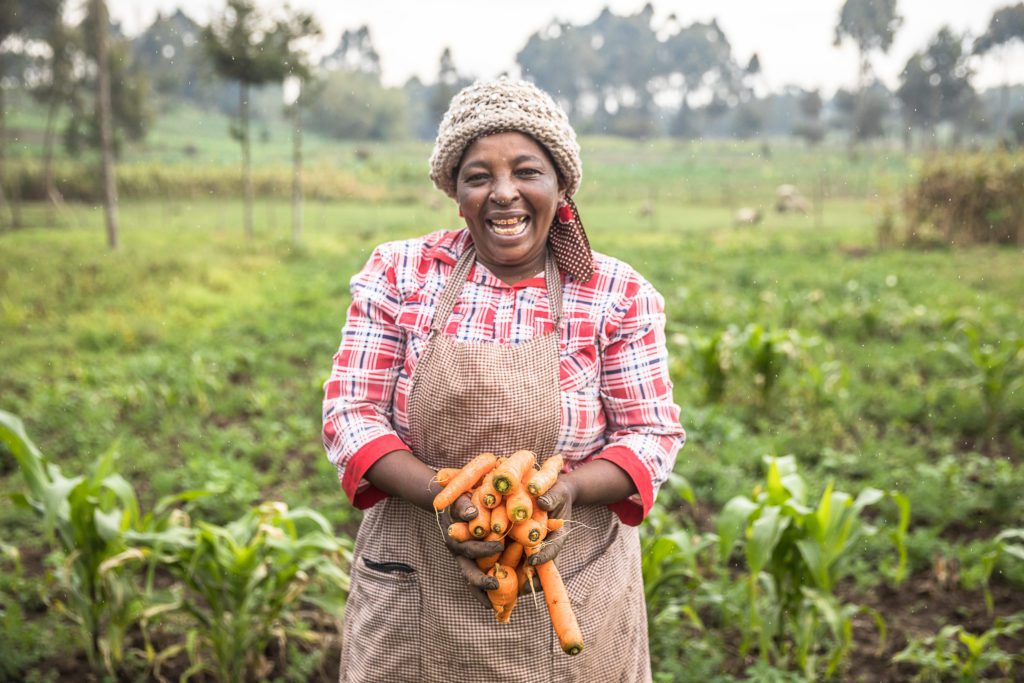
557,502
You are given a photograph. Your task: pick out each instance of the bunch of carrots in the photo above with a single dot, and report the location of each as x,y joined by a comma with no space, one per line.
505,492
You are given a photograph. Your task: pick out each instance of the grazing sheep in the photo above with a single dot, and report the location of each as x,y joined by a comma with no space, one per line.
789,200
746,216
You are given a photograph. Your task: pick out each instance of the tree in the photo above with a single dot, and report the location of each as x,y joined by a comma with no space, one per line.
449,82
250,48
171,54
129,92
871,25
700,59
1005,29
18,18
55,84
809,127
355,52
100,22
301,29
935,85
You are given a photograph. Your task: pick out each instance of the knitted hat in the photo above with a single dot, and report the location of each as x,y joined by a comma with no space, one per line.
502,105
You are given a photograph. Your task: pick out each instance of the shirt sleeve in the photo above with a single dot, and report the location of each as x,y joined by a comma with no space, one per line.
644,434
357,407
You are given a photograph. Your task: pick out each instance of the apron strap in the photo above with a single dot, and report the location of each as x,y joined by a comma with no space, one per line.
453,289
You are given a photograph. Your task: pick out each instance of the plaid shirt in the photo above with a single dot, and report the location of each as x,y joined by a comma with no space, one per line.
616,394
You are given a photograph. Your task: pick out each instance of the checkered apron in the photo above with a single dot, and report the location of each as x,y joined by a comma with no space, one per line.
410,617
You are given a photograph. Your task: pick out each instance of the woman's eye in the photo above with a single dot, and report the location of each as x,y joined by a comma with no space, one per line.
528,172
476,178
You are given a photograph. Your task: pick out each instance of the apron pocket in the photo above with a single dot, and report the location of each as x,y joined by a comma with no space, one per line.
382,617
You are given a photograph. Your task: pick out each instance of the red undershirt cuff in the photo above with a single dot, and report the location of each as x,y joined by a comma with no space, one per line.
368,496
628,510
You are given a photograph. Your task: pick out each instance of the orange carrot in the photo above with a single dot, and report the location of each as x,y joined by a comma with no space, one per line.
562,617
508,476
531,531
503,598
490,498
511,555
466,479
545,477
554,524
480,525
445,474
459,531
489,561
499,520
519,505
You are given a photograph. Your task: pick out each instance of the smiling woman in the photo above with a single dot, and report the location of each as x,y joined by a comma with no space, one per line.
508,334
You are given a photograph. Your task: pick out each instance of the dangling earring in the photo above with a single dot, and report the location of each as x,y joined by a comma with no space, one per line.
461,215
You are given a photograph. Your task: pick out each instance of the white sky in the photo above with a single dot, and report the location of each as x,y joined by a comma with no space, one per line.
793,38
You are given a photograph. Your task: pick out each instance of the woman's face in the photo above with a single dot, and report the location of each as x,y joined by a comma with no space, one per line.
508,189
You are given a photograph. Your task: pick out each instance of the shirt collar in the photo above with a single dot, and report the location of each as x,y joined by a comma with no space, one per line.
449,247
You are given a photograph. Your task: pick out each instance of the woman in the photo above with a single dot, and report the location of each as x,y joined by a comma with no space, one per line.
505,335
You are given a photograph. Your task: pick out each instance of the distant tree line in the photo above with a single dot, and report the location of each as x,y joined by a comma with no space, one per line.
627,75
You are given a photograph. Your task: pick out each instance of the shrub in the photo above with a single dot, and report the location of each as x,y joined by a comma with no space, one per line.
969,200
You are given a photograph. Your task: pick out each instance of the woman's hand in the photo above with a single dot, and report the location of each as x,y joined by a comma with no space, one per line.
557,502
467,552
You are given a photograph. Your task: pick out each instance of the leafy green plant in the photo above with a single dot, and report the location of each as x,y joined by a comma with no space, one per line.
1007,543
85,517
767,352
714,360
792,552
244,584
996,369
957,654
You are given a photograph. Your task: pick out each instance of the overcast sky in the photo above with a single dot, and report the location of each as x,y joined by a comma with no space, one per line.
793,38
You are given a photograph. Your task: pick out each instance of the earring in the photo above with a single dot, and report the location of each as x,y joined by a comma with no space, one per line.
565,212
461,215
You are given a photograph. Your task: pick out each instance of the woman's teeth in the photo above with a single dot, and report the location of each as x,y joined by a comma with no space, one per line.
508,226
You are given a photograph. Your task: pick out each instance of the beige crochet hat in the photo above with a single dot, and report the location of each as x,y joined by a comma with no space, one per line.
504,104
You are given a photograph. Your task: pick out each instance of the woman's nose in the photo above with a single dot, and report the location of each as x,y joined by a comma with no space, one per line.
504,192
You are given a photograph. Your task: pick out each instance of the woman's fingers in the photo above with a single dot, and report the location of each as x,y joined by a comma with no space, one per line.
476,549
477,580
463,509
549,549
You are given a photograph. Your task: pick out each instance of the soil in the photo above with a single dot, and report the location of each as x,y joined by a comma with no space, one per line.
919,608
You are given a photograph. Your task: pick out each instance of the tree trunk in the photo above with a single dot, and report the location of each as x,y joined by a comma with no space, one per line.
106,124
52,193
243,116
8,218
297,173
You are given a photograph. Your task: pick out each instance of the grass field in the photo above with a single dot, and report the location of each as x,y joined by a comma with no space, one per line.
198,357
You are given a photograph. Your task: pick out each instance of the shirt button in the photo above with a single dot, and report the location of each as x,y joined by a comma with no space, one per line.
502,340
425,329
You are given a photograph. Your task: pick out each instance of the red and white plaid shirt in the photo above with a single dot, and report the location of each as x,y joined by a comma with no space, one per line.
616,393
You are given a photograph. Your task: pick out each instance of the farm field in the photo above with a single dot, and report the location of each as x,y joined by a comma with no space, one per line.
896,375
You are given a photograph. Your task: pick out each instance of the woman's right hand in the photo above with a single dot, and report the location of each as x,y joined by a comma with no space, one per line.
467,552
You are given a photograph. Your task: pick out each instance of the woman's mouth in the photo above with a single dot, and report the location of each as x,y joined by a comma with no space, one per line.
509,227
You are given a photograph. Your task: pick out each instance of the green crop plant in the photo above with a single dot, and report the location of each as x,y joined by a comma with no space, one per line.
245,584
996,369
85,517
792,552
957,654
713,357
1008,543
768,351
